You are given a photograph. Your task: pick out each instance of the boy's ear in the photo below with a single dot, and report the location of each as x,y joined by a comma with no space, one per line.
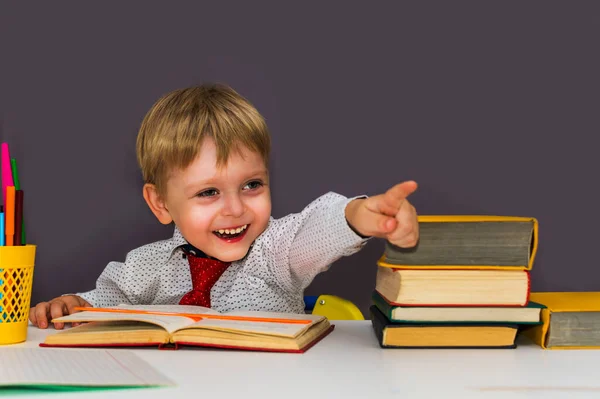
156,204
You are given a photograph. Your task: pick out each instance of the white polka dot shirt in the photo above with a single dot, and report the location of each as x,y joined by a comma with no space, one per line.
281,263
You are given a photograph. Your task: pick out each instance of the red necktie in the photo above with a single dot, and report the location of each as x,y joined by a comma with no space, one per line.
205,273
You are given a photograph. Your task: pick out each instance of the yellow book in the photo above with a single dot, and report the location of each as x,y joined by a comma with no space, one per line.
468,242
446,335
571,320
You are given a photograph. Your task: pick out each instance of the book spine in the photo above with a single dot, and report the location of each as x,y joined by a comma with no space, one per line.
378,324
381,304
528,295
169,347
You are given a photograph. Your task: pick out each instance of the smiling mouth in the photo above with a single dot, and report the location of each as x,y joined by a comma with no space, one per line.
231,233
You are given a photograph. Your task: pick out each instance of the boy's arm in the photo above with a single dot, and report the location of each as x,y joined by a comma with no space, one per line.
310,241
108,292
137,280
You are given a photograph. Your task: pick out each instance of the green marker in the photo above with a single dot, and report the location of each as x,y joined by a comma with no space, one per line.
17,184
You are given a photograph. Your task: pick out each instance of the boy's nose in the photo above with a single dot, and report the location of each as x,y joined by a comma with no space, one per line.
233,206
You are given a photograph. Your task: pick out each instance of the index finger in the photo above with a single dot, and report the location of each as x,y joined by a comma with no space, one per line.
395,196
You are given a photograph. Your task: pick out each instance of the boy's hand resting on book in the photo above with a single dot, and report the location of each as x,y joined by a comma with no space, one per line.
43,312
387,215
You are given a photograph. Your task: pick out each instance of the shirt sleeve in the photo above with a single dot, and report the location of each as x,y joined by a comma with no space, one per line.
137,280
108,291
310,241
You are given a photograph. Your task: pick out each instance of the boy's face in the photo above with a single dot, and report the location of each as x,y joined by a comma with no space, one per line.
220,211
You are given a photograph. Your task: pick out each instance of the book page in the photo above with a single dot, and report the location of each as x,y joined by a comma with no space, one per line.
275,315
169,323
83,368
254,327
189,309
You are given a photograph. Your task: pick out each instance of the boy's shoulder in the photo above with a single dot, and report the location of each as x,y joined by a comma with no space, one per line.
159,251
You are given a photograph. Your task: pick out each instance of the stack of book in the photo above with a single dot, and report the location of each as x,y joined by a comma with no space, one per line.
465,285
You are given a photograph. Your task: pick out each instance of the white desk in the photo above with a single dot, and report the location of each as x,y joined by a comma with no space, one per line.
349,363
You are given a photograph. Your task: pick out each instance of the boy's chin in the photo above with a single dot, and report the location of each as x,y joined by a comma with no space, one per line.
232,255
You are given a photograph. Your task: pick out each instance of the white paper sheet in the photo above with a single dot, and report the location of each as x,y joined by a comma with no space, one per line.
73,367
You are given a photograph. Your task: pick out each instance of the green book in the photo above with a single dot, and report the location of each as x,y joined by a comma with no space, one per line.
529,314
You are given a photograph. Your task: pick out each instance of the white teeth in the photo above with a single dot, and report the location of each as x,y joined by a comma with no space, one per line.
233,231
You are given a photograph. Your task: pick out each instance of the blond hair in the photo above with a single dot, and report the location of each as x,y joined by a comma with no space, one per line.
173,130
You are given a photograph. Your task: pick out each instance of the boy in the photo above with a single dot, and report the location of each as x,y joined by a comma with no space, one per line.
203,153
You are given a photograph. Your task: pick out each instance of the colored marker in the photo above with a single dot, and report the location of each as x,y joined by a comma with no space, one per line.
15,175
1,226
18,216
9,220
7,179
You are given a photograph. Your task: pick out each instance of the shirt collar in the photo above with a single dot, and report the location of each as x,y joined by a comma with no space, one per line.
178,241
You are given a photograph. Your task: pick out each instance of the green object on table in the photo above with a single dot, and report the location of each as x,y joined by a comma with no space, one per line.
17,390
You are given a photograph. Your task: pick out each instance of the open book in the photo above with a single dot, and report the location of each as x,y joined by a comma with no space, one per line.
168,326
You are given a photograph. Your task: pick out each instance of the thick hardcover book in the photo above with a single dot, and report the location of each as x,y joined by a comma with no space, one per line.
172,327
441,336
468,242
571,320
427,287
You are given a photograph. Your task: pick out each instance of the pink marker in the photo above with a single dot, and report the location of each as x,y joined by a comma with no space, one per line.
7,177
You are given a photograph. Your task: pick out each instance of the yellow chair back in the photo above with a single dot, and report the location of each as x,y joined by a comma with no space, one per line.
336,308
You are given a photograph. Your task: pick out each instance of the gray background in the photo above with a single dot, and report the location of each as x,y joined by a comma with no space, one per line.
493,107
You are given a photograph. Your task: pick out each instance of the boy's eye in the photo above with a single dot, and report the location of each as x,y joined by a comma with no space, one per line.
208,193
253,185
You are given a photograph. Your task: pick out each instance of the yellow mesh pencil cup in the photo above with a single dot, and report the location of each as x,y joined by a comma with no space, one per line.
16,278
